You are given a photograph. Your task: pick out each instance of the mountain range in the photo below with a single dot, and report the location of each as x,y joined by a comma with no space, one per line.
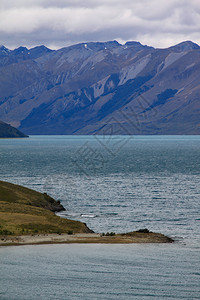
101,88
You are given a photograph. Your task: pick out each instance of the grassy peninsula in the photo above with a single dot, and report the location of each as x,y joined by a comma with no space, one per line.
24,211
27,217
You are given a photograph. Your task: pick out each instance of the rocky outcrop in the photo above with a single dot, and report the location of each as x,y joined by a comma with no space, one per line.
52,204
149,236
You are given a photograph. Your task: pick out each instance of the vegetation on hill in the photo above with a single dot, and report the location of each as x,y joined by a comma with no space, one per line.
7,131
24,211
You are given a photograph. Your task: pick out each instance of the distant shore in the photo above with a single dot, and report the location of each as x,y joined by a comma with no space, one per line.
84,238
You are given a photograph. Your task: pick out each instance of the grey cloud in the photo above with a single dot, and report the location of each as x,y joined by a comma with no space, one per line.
60,23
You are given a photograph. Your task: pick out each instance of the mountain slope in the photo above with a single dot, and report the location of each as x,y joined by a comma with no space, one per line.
102,88
7,131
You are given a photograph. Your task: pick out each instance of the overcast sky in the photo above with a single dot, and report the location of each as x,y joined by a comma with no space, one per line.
59,23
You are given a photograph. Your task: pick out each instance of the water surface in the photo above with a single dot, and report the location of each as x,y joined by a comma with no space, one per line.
113,184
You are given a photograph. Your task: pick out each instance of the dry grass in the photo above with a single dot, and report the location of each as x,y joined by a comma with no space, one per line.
12,193
24,211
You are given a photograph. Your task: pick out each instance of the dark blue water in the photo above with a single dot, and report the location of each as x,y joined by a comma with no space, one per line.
113,184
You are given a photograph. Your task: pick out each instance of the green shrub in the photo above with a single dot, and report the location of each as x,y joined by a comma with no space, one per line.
145,230
110,234
70,232
5,232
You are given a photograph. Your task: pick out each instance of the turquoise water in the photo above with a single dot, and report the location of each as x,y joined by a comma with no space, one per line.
113,184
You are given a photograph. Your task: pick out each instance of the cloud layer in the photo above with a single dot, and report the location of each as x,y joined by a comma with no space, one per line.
60,23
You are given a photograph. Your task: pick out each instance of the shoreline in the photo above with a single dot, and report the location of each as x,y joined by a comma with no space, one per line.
28,217
84,238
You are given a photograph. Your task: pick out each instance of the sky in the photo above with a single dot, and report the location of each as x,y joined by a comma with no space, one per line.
60,23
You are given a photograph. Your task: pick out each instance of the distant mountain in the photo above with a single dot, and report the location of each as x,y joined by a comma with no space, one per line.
7,131
101,88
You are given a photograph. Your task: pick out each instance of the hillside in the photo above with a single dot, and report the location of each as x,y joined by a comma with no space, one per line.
7,131
101,88
26,217
24,211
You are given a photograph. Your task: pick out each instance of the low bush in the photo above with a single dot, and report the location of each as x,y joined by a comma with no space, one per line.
5,232
70,232
110,234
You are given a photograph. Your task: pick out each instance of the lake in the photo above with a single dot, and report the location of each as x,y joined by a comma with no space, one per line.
112,183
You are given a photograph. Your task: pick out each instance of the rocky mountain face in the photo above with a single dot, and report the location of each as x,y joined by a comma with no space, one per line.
7,131
101,88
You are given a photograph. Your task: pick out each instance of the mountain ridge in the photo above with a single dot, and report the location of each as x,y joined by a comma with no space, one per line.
91,88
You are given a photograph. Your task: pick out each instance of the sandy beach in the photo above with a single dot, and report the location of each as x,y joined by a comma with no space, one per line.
83,238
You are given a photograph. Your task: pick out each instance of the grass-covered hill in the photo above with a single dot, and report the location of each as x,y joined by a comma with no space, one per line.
24,211
7,131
